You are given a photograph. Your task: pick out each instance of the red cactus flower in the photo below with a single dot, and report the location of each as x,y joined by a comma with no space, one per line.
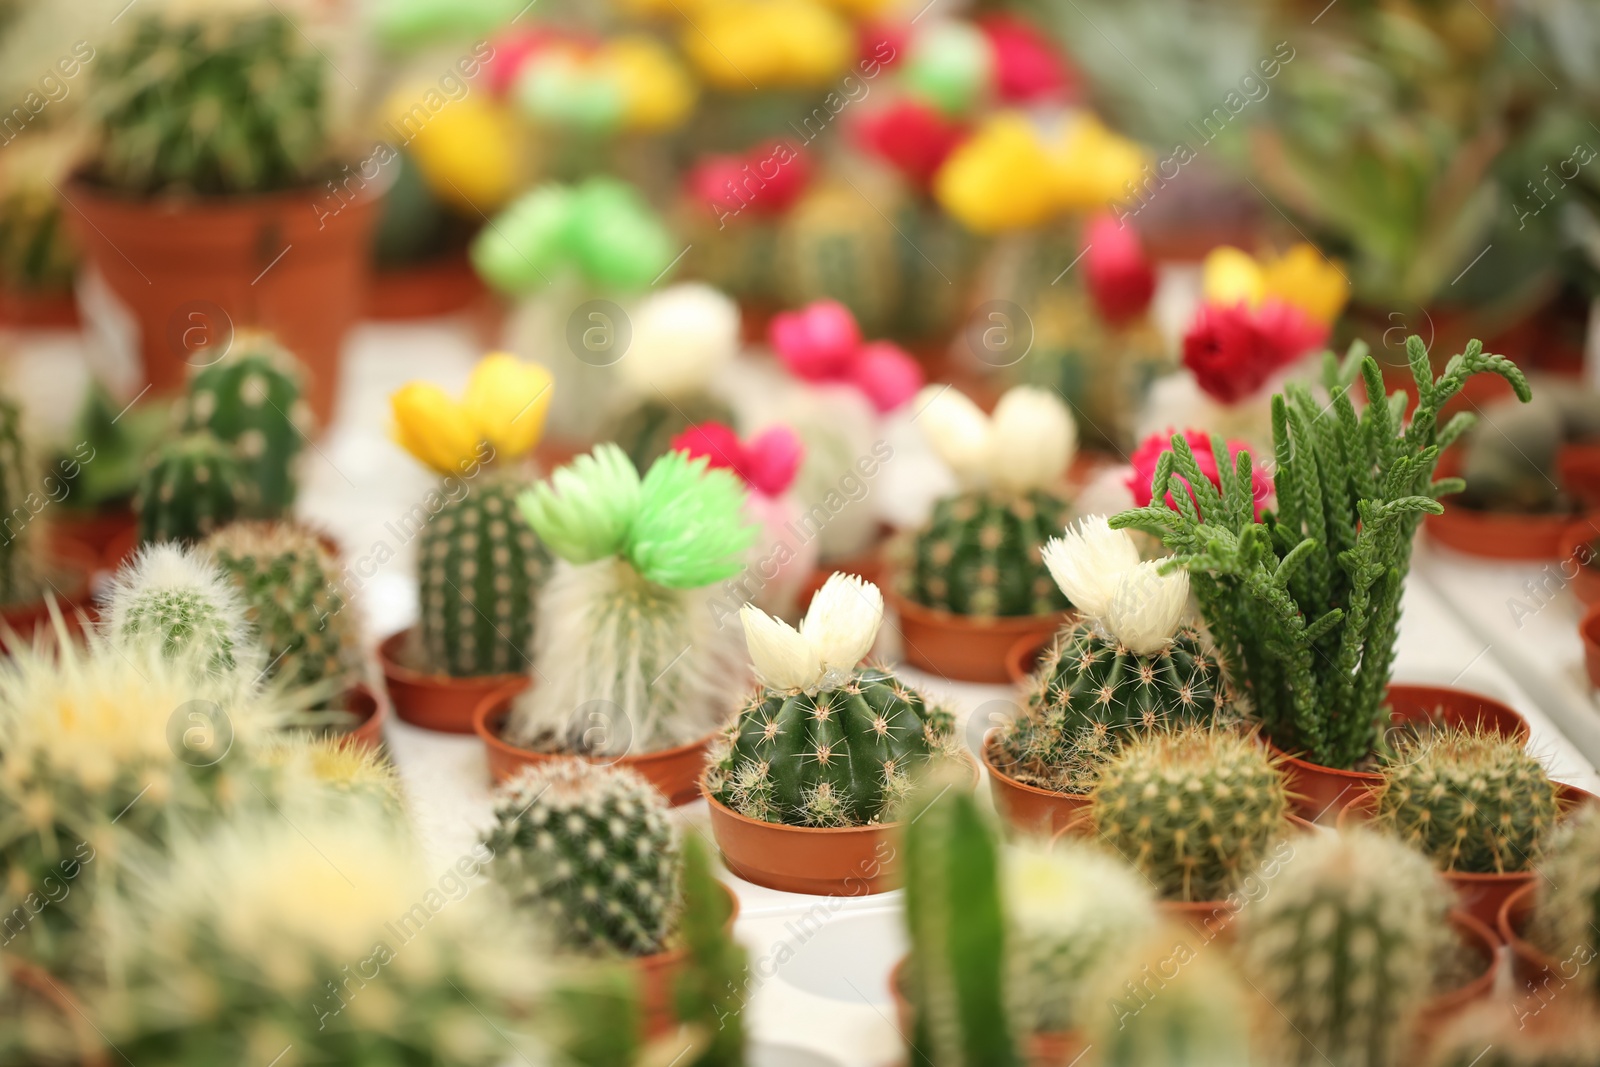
1027,65
912,137
1234,349
1120,278
1148,454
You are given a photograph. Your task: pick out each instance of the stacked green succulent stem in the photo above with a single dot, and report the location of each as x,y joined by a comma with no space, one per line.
192,486
251,399
979,554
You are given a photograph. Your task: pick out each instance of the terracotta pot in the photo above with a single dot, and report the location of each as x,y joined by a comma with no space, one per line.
962,648
370,709
1507,535
1212,920
658,974
434,701
438,287
190,271
849,861
75,566
1028,807
868,565
102,532
1022,658
1320,792
674,771
1589,632
1578,555
1532,968
38,982
1440,1008
1043,1050
38,311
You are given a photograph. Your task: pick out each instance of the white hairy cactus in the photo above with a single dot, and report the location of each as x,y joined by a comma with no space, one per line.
682,337
179,599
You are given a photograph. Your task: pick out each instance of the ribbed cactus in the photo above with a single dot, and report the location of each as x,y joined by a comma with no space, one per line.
834,244
1194,811
251,398
1568,915
1545,1032
177,599
1473,801
224,103
289,583
590,849
193,485
1346,946
19,560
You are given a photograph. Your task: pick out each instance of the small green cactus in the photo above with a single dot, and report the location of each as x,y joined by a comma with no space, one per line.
835,245
176,598
20,578
289,582
645,432
1194,811
193,485
591,850
251,398
1346,946
1569,896
1472,801
114,444
1558,1032
325,774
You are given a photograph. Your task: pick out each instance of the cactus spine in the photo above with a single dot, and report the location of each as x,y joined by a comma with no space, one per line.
1569,900
591,850
1472,801
193,485
251,398
19,564
178,599
1346,946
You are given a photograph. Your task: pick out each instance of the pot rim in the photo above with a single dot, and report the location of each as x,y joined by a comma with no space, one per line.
1021,625
80,182
394,669
1513,938
989,739
487,715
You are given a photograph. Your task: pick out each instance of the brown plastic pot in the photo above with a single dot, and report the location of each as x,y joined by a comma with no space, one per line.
74,566
674,771
101,532
1028,807
1506,535
38,310
1440,1008
1043,1050
438,287
439,702
1532,968
190,271
658,975
38,982
868,565
1589,632
1022,658
963,648
370,710
1578,551
1212,920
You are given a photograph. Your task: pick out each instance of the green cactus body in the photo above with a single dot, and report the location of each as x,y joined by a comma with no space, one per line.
179,600
938,260
251,398
1569,896
1347,945
835,245
19,566
645,432
193,485
1165,1001
479,567
1195,811
288,581
1090,693
979,555
589,848
1474,802
35,253
840,757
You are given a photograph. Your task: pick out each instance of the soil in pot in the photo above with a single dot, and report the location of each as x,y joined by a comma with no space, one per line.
1043,1050
1031,808
965,648
658,974
675,771
430,700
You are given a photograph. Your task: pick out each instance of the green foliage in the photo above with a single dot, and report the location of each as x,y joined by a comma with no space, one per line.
589,849
645,432
1090,693
1474,802
114,445
20,579
1569,891
979,554
835,245
251,398
193,485
709,996
230,103
36,255
956,972
839,757
1304,604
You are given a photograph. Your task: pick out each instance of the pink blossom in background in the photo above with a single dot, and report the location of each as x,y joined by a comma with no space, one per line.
766,463
886,374
913,137
1120,277
817,342
1027,65
1148,454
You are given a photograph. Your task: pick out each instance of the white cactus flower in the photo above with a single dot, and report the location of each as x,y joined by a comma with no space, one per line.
957,429
1145,611
1088,562
783,659
1032,439
841,624
681,337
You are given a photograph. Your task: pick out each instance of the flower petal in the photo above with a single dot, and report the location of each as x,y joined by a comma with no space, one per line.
1031,440
433,427
1088,562
782,658
507,400
841,624
957,429
1147,607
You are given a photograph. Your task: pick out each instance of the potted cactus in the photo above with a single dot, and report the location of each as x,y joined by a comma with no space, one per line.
182,603
192,485
479,563
630,662
1550,922
1304,602
1561,1032
806,786
203,209
592,852
975,581
1126,666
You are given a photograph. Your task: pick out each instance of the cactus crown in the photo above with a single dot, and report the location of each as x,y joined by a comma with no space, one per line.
177,598
979,554
1195,811
1347,946
1569,897
1304,603
211,104
328,773
591,849
1473,801
193,485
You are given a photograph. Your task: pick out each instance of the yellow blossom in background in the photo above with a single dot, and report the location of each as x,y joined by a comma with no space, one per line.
869,9
1093,165
1001,178
469,151
507,401
743,46
1231,276
1309,280
658,93
671,9
433,427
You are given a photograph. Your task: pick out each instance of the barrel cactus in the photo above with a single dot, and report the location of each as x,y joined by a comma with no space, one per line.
1473,801
825,742
1569,897
250,397
590,849
1347,946
979,553
176,598
193,485
20,579
835,245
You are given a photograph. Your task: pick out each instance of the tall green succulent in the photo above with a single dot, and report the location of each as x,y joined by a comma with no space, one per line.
19,561
1304,603
192,485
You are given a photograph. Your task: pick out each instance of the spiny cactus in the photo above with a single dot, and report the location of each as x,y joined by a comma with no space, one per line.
1304,604
1558,1032
20,579
289,584
209,104
590,849
193,485
1568,915
824,742
326,774
1072,909
1346,947
625,629
1194,811
980,552
1472,801
176,598
834,244
251,398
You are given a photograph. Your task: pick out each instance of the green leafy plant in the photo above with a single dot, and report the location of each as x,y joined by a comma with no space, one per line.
1304,603
192,485
113,444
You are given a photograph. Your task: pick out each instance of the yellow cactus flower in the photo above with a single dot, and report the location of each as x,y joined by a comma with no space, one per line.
657,92
507,401
1309,280
999,179
1094,165
1231,276
467,150
740,46
433,427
